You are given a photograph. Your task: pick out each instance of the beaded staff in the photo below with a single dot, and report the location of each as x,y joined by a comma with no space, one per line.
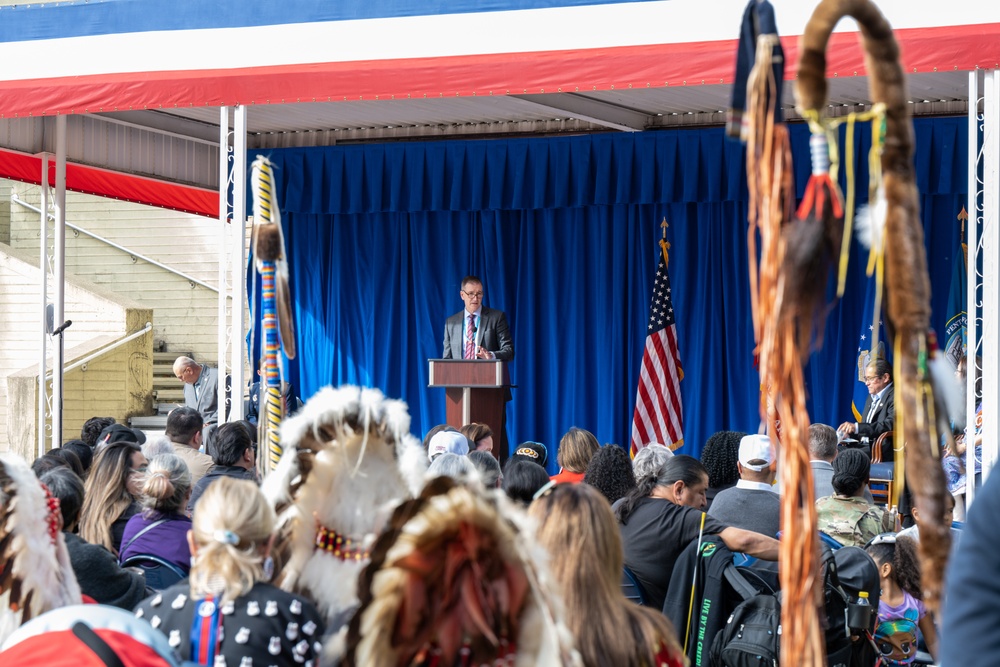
269,251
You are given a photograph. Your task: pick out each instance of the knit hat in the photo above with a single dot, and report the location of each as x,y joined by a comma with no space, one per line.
533,451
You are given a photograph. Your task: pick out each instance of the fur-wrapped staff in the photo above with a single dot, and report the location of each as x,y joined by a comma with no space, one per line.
269,251
755,117
907,282
781,348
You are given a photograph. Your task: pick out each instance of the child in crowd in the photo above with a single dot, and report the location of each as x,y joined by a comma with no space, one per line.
900,610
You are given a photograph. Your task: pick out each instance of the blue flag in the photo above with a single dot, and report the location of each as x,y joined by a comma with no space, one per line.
868,350
955,336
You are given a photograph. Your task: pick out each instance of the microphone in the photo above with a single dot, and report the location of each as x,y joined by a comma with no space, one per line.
62,327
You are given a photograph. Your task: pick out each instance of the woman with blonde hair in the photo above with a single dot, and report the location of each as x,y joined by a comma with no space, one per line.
111,494
576,448
576,526
226,612
160,530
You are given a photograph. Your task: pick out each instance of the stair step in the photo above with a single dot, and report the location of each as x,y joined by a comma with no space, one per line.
150,422
165,408
170,395
170,356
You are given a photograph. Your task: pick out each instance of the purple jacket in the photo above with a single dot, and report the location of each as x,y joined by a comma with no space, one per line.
167,540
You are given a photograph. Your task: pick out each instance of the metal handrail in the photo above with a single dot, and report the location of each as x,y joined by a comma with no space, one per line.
104,350
17,200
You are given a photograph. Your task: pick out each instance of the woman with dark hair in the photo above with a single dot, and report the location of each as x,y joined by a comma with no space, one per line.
83,451
95,567
576,448
578,530
112,491
522,479
720,456
610,472
846,516
71,459
663,514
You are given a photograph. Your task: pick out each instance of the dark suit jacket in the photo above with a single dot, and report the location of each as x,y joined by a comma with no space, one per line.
884,418
493,334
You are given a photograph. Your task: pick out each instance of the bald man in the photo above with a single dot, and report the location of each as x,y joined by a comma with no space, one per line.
201,388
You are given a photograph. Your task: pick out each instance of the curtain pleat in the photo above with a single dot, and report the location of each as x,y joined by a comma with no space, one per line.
563,233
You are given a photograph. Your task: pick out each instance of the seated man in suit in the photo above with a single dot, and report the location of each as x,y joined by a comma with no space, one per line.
880,408
477,332
822,451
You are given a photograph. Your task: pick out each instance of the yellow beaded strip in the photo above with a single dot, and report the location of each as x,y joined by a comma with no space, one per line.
339,546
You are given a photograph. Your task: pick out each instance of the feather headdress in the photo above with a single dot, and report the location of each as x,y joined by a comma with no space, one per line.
35,572
348,460
453,581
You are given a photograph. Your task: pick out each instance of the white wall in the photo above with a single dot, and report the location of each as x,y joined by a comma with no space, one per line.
95,313
186,316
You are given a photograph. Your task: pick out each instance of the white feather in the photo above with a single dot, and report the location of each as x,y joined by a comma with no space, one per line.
357,478
42,567
947,391
869,223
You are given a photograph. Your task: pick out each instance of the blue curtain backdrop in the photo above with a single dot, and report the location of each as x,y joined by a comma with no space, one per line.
563,233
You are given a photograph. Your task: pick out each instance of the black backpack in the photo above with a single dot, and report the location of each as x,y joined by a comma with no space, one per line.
858,572
752,634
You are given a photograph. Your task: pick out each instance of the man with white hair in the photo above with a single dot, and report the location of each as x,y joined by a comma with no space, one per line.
201,389
752,504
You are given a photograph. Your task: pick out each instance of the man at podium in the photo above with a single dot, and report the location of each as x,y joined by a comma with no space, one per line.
477,332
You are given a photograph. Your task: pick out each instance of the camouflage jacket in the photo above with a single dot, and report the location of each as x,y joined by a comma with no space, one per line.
852,521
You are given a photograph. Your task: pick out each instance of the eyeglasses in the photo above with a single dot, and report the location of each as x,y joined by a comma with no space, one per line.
869,380
473,295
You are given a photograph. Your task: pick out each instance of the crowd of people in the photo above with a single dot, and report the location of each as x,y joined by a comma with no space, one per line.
184,538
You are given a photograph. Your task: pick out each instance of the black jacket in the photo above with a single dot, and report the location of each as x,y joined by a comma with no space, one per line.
713,598
214,473
100,576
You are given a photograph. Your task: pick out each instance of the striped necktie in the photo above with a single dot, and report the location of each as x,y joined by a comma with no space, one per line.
470,338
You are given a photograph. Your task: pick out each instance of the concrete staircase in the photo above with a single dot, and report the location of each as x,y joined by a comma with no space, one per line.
168,393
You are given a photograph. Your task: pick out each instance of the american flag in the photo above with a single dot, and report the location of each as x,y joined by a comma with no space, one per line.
658,416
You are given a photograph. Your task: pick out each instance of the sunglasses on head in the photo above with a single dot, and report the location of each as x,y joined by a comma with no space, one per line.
882,538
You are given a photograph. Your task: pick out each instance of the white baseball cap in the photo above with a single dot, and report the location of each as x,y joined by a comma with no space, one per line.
757,449
444,442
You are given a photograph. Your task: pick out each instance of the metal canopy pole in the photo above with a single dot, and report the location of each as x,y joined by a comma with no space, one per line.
991,269
972,280
43,268
223,246
59,300
239,255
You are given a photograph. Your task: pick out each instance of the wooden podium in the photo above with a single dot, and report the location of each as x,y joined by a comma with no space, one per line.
476,391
